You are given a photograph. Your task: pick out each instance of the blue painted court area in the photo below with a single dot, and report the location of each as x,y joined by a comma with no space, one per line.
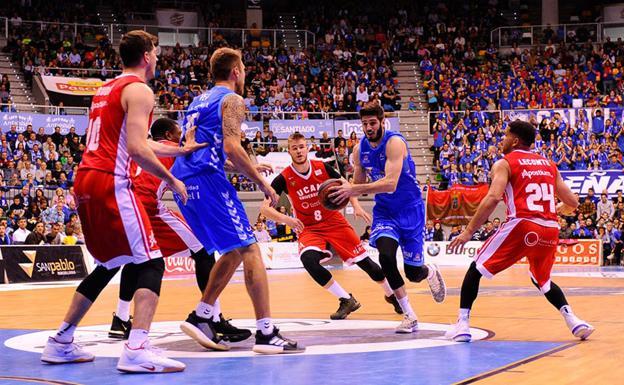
433,365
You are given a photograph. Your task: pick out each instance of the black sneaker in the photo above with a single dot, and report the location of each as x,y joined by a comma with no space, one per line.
120,330
347,306
394,302
202,330
230,332
274,343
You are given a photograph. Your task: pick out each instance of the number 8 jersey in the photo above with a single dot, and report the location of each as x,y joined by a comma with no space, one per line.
107,147
530,192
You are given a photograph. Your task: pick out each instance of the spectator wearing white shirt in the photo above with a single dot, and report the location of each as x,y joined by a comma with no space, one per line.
605,206
362,94
261,234
19,235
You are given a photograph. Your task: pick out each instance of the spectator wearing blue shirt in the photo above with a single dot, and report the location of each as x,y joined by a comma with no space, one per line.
5,239
598,126
614,163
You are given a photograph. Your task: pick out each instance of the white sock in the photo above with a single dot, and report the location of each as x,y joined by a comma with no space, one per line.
123,310
204,310
265,325
65,334
406,307
338,291
137,338
216,311
386,288
464,314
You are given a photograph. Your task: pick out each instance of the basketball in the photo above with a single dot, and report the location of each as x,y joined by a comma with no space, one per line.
324,192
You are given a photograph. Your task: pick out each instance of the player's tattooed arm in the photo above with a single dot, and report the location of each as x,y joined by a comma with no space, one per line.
233,112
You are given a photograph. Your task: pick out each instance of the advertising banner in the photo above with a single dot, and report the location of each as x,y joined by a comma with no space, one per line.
283,128
72,86
582,252
250,128
349,126
43,263
580,182
48,122
172,18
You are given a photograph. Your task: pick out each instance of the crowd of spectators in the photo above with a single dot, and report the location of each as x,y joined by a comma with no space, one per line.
37,172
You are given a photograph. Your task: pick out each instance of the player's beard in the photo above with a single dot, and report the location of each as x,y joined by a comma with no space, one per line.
377,137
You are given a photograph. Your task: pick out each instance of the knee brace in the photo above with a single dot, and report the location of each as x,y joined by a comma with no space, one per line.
311,260
204,262
387,259
149,275
372,269
127,283
94,283
416,273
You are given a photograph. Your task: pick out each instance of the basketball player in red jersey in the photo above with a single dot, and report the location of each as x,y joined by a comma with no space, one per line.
529,184
174,237
116,226
317,226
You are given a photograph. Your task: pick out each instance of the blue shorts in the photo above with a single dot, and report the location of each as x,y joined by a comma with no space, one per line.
407,227
215,214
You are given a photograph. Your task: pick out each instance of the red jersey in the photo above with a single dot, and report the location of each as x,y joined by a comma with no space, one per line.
302,191
530,192
107,148
148,188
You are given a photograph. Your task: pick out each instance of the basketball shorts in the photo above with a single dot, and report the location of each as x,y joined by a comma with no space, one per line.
215,214
519,238
116,226
338,233
174,237
406,225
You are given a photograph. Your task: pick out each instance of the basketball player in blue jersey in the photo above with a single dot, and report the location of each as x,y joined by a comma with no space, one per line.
213,210
399,212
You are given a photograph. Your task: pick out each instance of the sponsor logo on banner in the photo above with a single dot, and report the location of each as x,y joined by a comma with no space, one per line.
349,126
283,128
72,86
250,128
179,266
48,122
580,182
43,263
174,18
583,252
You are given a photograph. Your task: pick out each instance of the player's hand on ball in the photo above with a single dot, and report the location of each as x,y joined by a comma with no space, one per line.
295,224
190,145
269,194
180,189
460,240
360,213
264,168
339,194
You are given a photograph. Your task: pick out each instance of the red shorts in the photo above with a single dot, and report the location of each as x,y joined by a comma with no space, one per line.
519,238
337,232
173,235
116,226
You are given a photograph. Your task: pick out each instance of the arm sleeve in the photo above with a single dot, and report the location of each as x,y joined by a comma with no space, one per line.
332,171
279,185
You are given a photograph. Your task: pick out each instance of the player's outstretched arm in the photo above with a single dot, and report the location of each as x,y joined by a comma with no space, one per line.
396,150
271,213
500,177
233,112
568,203
190,145
138,102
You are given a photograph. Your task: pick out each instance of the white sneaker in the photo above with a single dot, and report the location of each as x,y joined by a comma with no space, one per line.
63,353
578,327
459,332
147,359
408,325
436,284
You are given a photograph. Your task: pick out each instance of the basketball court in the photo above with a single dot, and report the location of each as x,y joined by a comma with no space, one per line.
519,337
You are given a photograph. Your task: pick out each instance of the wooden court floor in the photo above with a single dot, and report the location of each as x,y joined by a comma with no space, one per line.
509,306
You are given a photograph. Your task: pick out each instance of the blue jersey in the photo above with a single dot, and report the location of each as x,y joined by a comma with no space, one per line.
205,113
407,193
